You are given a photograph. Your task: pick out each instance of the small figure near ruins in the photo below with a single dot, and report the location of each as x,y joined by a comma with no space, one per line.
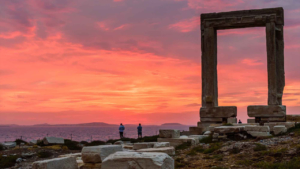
121,130
240,122
139,128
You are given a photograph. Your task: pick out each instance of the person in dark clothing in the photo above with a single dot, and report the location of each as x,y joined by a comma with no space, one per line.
139,129
240,122
121,130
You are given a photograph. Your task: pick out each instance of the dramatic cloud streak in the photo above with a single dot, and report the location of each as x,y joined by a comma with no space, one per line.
133,61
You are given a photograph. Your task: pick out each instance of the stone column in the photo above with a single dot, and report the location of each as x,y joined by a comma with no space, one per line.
271,54
209,68
280,63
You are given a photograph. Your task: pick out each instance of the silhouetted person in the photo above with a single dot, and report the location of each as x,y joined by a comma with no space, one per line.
139,129
240,122
121,130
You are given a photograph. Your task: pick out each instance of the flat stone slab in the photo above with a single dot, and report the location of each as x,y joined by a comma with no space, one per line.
177,141
53,140
288,125
198,136
169,133
280,129
167,150
257,128
137,146
259,134
220,111
129,147
71,155
56,163
90,166
266,111
161,144
138,160
228,129
96,154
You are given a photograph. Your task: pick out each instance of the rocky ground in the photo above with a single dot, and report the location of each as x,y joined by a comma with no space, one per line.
280,152
29,154
276,152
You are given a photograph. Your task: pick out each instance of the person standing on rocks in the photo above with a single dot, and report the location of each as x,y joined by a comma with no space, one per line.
139,128
121,130
240,122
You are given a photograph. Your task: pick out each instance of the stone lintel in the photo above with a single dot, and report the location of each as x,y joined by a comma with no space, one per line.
220,111
266,111
243,13
239,22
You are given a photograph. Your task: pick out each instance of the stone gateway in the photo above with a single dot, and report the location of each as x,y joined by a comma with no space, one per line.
273,20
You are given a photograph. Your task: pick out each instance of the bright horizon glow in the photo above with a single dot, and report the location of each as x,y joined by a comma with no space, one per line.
125,61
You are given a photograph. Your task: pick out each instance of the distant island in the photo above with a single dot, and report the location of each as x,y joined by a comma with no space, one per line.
94,124
97,124
172,124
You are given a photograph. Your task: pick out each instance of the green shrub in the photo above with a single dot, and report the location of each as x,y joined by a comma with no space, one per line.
72,145
218,157
206,140
195,150
134,140
179,163
9,161
235,150
95,143
1,147
40,143
44,154
259,147
227,124
83,142
293,164
213,147
244,162
19,141
183,146
150,138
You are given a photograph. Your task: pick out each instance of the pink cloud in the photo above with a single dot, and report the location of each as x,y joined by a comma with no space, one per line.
186,25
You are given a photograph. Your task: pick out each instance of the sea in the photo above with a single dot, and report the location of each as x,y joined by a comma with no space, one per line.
78,133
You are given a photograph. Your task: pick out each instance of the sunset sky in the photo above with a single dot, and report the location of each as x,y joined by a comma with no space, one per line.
131,61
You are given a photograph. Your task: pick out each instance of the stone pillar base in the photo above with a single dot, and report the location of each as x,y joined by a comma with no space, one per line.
269,113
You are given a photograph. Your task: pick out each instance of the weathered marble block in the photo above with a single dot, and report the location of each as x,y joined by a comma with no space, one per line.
257,128
177,141
169,133
96,154
167,150
280,129
228,129
53,140
161,144
56,163
138,160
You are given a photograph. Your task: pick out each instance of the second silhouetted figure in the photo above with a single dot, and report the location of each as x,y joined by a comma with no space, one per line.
139,129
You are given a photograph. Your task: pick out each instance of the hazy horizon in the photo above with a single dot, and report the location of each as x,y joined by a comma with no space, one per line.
129,61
